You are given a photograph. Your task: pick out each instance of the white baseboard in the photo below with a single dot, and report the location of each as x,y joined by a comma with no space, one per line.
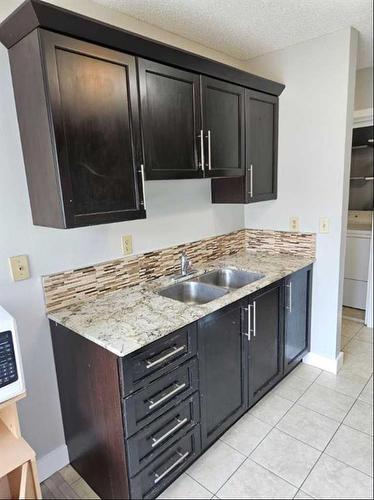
327,364
52,462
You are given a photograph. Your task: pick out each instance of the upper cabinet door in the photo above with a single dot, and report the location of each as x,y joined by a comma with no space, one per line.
171,121
94,109
223,125
261,146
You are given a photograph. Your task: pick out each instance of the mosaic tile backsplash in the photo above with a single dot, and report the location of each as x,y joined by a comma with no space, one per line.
67,288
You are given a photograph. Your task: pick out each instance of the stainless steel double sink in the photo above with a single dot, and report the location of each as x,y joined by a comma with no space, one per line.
209,286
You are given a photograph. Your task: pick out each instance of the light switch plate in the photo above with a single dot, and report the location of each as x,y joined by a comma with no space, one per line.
324,225
127,244
294,224
19,267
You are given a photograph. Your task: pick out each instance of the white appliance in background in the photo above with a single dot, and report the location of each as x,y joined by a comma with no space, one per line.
357,259
11,374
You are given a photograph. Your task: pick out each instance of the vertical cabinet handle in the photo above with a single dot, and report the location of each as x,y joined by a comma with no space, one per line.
209,151
248,332
289,306
254,319
143,189
202,159
250,180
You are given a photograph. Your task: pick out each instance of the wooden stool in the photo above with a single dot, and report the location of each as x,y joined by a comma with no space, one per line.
18,472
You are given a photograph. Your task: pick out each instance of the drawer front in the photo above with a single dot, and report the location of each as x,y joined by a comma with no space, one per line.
144,406
146,445
167,467
158,358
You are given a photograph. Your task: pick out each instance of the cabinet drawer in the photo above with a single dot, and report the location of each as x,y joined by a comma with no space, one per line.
158,358
144,406
147,444
162,471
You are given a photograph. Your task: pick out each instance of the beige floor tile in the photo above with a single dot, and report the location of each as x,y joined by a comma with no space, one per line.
345,339
286,456
350,385
308,426
356,346
365,335
271,409
301,495
246,434
330,403
333,479
253,481
217,464
292,387
352,447
354,313
185,488
367,393
306,372
360,417
357,364
350,328
60,487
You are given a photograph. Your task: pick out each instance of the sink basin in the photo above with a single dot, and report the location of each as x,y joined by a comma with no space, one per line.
193,292
229,278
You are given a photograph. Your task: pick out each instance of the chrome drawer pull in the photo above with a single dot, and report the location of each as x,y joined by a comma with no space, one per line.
289,307
167,396
181,458
180,423
151,364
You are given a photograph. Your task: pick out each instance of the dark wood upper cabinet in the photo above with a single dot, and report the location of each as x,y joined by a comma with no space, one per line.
78,112
222,368
265,330
223,128
261,167
298,296
171,121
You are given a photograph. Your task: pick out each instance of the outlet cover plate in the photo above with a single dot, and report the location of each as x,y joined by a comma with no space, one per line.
294,224
19,267
127,244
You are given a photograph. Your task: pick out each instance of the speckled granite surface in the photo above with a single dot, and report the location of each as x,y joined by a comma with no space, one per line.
128,319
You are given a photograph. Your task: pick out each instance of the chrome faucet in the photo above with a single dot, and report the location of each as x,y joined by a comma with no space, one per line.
185,264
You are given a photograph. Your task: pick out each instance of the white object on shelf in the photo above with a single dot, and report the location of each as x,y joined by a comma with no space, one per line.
7,323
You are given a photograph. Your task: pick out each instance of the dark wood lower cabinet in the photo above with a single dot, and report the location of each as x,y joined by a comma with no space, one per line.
222,362
265,334
131,433
298,297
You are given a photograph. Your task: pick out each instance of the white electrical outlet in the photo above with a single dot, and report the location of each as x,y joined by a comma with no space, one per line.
324,225
127,244
294,224
19,267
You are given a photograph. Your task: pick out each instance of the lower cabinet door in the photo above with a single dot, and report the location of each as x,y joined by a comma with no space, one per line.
167,467
298,291
265,336
222,370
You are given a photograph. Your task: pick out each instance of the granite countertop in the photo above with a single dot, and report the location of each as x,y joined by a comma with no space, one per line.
128,319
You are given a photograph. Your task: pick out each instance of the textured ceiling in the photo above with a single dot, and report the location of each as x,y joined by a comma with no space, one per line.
247,28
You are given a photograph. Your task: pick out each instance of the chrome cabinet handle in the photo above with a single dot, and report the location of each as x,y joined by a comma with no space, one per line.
289,307
178,388
175,350
202,159
181,458
248,333
143,189
254,319
209,151
157,441
251,181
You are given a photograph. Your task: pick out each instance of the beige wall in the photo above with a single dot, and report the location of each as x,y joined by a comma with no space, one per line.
364,89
